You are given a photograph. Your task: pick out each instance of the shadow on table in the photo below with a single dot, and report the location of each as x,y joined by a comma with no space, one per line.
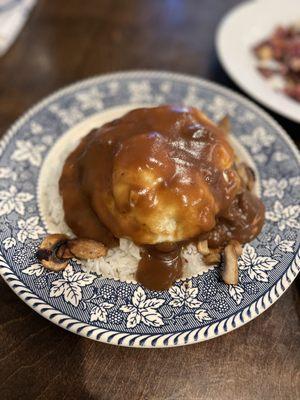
37,359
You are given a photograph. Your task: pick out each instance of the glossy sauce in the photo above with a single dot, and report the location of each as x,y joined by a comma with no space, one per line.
241,221
158,175
160,265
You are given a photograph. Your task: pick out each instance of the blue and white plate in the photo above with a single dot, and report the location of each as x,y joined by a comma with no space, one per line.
122,313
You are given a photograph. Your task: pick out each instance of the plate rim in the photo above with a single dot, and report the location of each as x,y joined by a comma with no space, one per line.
207,332
235,78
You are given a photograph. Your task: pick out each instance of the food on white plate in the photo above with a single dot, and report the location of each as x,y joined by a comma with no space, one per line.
279,59
160,190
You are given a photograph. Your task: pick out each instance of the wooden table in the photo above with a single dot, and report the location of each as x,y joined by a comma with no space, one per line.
69,40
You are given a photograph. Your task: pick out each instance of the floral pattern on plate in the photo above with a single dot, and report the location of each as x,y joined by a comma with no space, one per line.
124,313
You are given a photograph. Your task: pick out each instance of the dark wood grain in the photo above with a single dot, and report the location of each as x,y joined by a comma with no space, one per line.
65,41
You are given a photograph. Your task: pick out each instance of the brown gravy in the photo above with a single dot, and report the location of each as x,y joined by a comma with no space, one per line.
163,174
160,265
241,221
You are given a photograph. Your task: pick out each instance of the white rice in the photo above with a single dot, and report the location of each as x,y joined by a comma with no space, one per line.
120,262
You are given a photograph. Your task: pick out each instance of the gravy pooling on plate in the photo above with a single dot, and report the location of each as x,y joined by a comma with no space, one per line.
161,177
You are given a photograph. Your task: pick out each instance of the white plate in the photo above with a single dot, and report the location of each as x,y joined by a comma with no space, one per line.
242,28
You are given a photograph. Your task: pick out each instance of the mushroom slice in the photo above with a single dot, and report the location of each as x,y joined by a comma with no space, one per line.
246,174
203,247
230,273
238,247
64,252
47,253
212,258
86,249
225,125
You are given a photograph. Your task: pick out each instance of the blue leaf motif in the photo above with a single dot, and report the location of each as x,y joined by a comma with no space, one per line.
28,152
72,293
5,172
287,246
82,279
57,288
191,292
153,303
193,303
68,273
274,187
284,216
9,243
256,266
133,319
34,269
70,285
176,303
247,257
184,296
265,263
143,310
202,315
175,292
127,308
151,317
138,297
295,181
258,274
99,313
236,292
